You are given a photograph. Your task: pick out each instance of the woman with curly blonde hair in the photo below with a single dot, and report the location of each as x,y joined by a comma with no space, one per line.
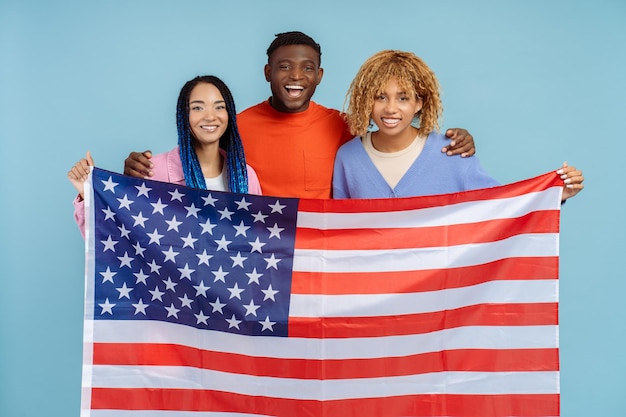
399,93
410,73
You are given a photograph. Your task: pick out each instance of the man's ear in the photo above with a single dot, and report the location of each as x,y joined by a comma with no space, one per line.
320,74
267,71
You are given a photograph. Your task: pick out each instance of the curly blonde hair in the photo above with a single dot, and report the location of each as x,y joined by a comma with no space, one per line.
412,74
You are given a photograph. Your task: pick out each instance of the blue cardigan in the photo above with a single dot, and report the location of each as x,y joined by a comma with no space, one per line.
433,172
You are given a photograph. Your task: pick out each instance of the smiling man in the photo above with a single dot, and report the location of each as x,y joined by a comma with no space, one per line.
292,139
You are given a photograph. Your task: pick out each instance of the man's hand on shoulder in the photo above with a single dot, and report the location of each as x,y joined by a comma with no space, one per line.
461,143
138,164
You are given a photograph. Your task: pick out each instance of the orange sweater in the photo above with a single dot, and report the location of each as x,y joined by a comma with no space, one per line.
293,153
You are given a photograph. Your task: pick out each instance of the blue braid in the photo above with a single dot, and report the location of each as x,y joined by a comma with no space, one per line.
236,168
230,141
191,166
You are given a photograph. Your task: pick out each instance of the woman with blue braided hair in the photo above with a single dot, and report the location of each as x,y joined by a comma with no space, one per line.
209,154
209,144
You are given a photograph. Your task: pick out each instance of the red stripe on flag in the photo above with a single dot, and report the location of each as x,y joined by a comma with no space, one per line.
434,405
467,360
533,314
423,237
529,268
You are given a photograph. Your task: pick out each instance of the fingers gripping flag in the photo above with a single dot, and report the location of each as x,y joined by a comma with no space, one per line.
206,303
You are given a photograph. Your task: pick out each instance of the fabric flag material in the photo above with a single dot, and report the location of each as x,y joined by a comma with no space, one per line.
203,303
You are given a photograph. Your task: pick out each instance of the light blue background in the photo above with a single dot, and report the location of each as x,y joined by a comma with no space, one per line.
535,82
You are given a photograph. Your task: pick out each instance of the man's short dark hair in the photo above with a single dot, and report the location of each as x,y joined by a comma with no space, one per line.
293,38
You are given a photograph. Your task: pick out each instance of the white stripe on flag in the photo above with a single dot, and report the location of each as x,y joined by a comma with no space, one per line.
469,337
461,213
493,383
527,245
539,291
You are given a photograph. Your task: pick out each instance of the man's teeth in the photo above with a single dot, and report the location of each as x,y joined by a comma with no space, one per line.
294,90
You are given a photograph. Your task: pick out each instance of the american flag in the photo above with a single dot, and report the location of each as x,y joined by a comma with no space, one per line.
203,303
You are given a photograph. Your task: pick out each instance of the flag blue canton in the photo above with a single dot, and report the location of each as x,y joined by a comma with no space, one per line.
207,259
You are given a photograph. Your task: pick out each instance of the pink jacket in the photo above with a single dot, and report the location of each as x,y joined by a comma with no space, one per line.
167,168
